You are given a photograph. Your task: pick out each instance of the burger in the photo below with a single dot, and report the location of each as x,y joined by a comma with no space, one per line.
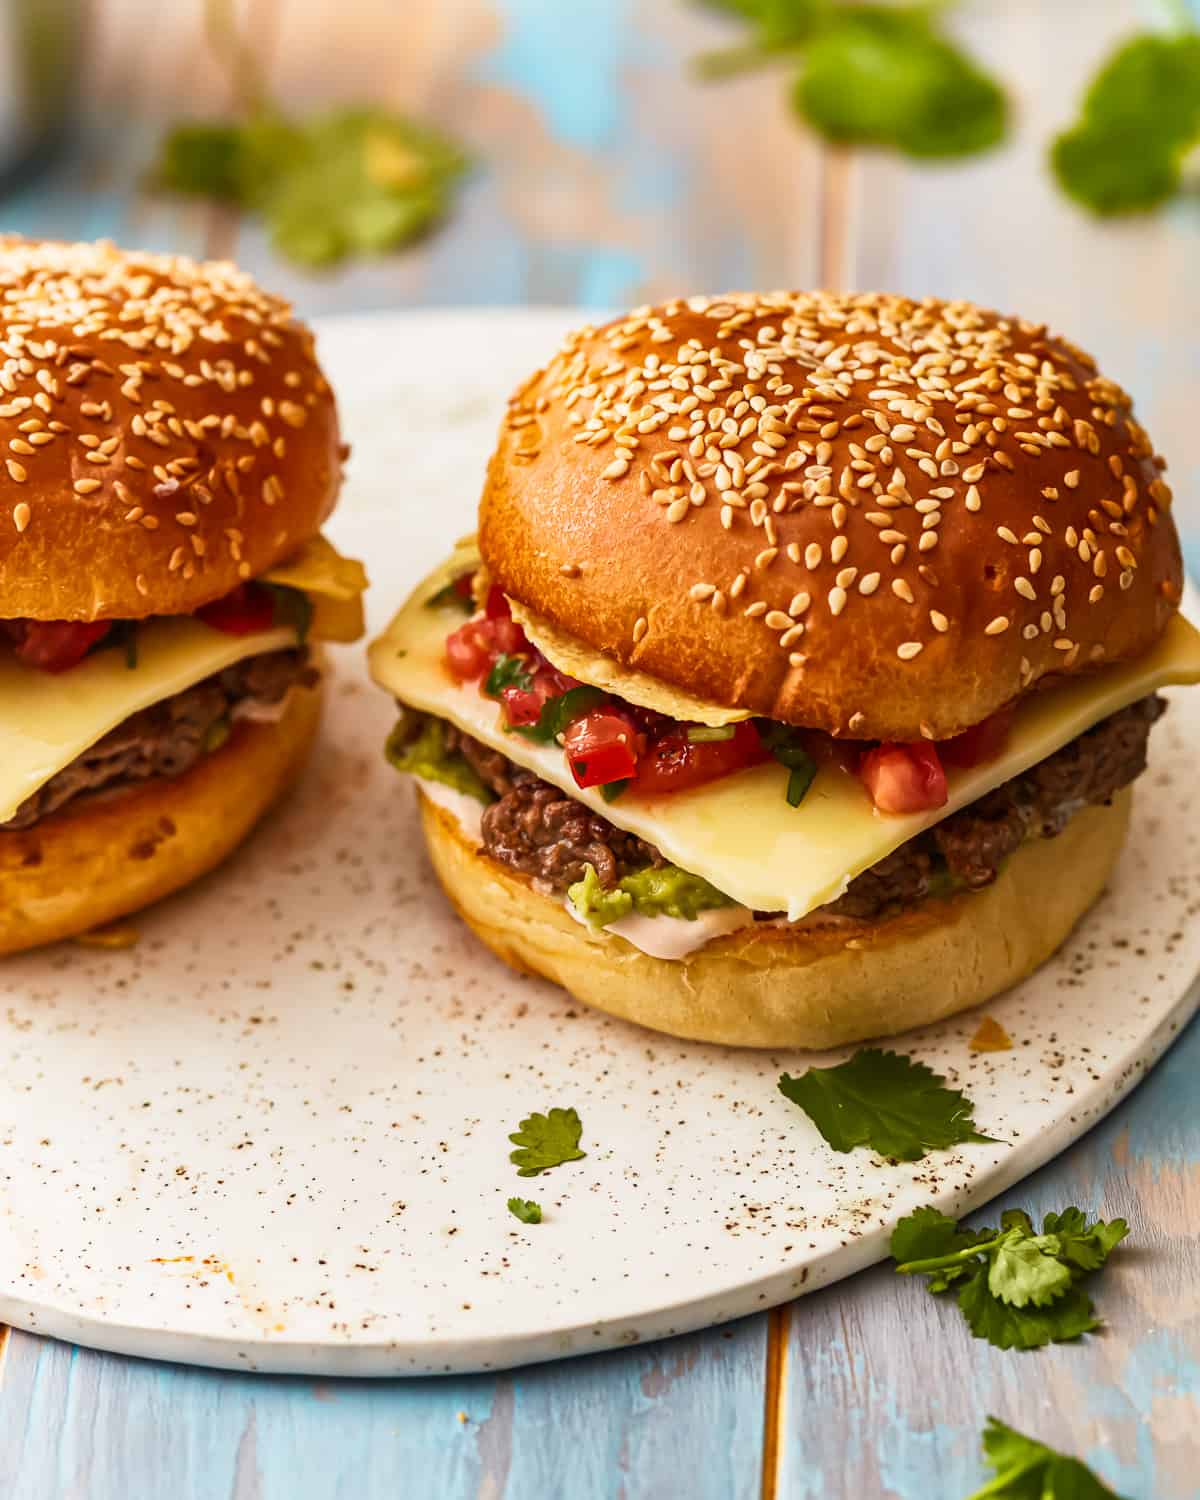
170,451
793,689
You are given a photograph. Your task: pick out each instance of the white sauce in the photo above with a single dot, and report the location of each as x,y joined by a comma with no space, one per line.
262,713
465,809
672,937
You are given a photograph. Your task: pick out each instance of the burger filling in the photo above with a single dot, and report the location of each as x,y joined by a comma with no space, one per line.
607,873
167,739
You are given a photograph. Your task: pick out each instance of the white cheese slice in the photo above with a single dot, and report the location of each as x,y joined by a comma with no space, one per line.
738,832
47,721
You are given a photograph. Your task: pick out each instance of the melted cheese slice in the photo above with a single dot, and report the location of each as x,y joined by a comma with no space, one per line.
334,585
739,832
47,721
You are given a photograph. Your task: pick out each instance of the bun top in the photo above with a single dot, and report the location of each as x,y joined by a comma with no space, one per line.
878,517
165,431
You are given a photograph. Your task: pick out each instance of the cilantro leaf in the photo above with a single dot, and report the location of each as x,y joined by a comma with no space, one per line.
456,594
546,1141
357,181
884,76
1139,118
1025,1469
292,607
558,713
526,1210
508,671
1017,1289
1008,1327
788,747
883,1100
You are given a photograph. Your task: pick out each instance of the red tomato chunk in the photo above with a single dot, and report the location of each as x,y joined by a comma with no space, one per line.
246,610
54,645
904,778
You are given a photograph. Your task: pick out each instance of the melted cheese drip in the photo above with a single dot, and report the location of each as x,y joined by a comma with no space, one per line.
739,832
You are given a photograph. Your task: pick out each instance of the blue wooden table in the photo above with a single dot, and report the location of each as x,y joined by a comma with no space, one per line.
607,176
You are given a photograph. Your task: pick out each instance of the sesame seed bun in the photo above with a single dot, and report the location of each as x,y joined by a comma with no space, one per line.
111,854
780,986
873,516
166,432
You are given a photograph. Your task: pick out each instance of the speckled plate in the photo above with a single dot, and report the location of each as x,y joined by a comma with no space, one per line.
273,1135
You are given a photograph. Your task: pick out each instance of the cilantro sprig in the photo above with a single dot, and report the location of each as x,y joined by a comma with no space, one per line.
526,1210
545,1141
1025,1469
1018,1288
872,74
885,1101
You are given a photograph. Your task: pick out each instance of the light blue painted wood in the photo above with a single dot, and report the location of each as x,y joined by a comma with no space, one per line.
678,1418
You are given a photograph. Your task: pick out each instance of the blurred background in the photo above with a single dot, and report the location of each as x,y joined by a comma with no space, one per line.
615,151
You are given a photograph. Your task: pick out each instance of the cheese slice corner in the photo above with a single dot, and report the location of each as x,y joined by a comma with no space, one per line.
739,832
334,585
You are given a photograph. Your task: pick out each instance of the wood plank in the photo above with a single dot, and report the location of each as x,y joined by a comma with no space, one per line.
682,1417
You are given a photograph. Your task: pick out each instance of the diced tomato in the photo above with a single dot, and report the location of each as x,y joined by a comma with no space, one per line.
524,705
247,609
468,654
55,645
983,741
904,778
497,607
673,764
602,747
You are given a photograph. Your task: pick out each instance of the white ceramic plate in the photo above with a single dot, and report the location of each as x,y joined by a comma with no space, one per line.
274,1134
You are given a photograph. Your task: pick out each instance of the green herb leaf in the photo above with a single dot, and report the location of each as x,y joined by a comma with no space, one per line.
787,745
1008,1327
882,75
611,790
508,671
1016,1288
546,1141
1025,1469
293,607
201,159
558,713
1140,117
358,181
885,1101
526,1210
450,595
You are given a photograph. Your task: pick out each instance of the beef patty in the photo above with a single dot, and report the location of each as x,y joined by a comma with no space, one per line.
169,737
537,829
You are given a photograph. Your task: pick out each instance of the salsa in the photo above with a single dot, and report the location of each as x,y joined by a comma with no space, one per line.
616,745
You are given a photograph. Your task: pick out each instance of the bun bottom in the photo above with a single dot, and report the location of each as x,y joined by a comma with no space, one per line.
814,987
113,854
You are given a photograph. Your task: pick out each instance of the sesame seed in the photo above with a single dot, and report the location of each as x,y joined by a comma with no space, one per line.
1024,588
908,649
902,591
939,621
16,471
868,583
21,514
997,626
86,486
837,601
